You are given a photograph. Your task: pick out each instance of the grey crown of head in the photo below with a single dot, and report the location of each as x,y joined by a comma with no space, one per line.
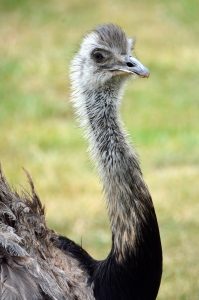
112,36
104,55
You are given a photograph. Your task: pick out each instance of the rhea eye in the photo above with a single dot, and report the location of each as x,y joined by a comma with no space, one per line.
98,57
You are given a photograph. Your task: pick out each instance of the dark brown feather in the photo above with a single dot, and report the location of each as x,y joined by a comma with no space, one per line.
31,267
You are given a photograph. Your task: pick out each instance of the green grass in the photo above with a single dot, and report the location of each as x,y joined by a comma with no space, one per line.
38,130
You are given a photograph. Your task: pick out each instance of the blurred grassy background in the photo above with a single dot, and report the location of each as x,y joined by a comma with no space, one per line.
38,131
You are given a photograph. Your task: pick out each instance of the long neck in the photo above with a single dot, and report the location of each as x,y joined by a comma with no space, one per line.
128,201
135,235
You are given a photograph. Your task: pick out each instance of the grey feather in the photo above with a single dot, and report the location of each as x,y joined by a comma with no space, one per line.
31,266
15,283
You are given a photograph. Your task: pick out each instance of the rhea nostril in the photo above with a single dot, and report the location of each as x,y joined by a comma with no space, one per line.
130,65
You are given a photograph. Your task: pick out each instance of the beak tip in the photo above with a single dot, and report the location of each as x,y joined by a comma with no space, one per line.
145,73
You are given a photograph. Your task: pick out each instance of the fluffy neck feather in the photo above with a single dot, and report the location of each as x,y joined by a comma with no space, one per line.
134,266
128,201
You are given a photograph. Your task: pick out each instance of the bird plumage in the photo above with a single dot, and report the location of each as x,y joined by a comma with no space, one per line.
28,256
57,267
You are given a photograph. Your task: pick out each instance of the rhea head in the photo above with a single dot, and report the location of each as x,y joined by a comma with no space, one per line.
106,54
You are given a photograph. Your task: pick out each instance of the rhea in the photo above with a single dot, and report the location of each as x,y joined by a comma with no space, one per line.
37,263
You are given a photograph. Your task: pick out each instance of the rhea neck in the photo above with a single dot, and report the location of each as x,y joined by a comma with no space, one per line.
128,200
136,247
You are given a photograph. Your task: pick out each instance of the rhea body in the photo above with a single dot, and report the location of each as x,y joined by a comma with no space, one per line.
133,267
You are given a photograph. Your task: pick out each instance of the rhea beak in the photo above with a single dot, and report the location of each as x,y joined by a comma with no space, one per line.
131,66
134,66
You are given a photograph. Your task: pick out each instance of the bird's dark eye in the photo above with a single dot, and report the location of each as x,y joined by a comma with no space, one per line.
98,57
